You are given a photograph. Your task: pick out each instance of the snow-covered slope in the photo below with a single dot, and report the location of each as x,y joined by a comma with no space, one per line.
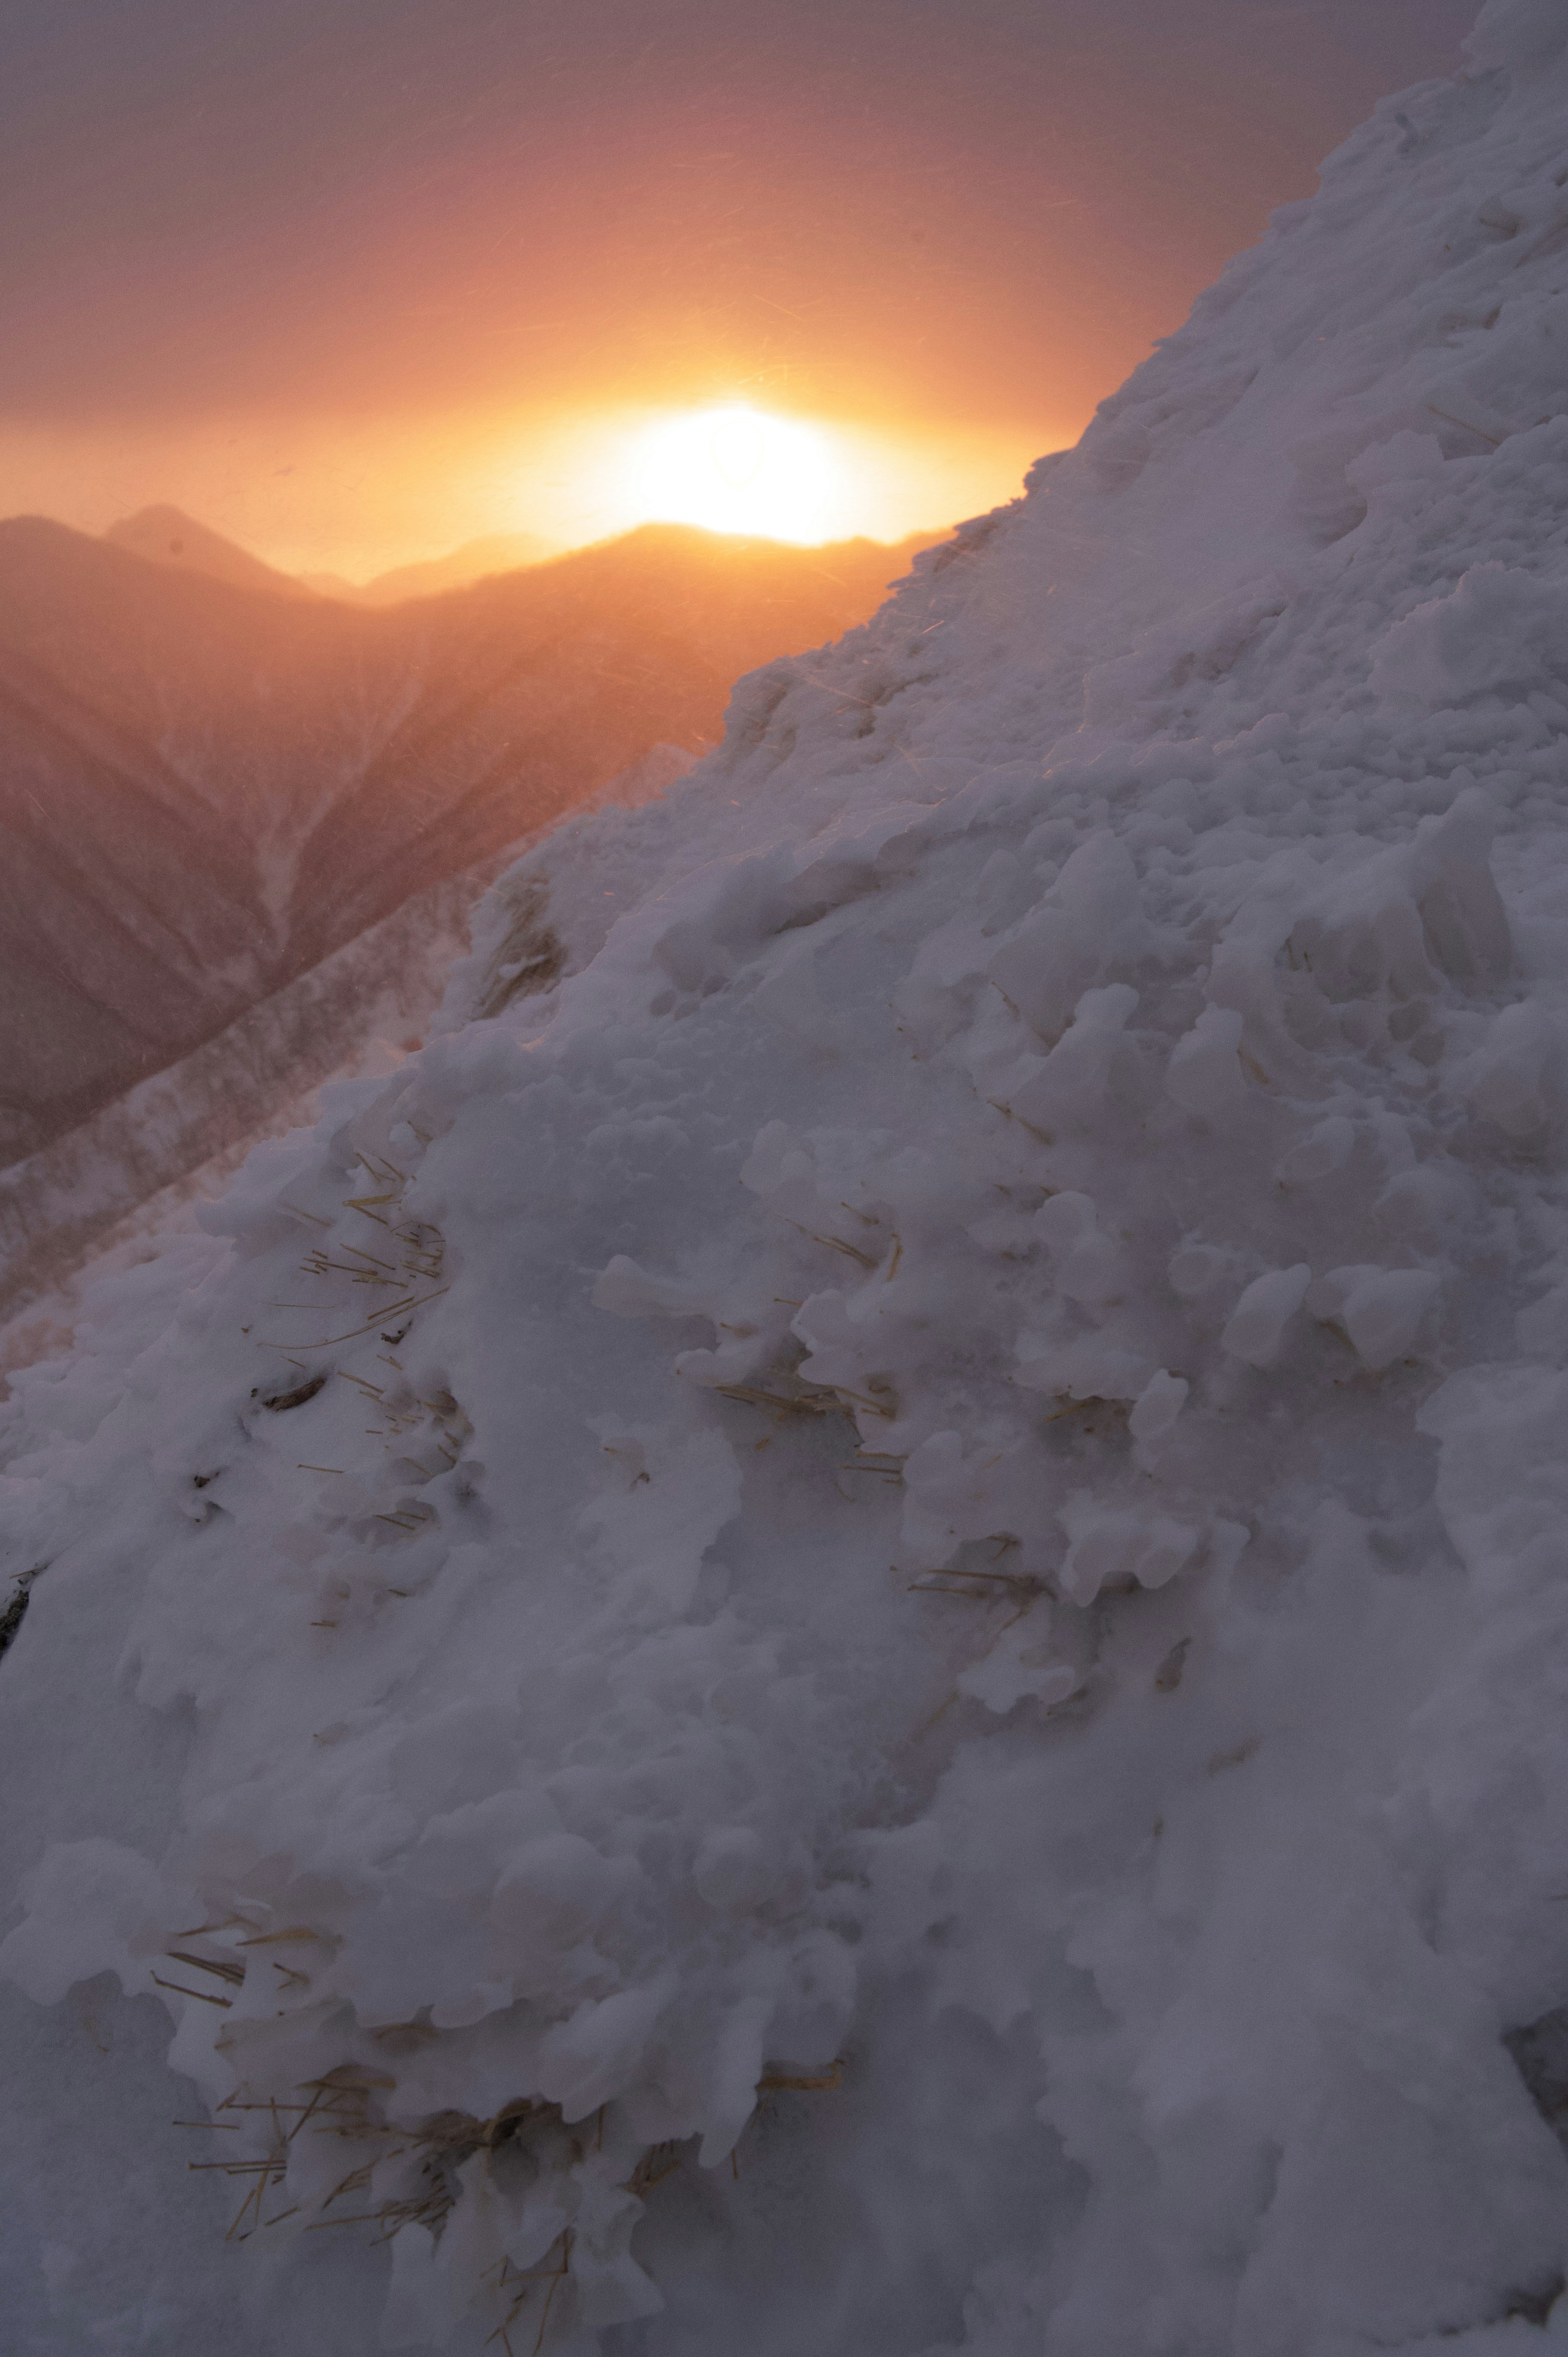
929,1715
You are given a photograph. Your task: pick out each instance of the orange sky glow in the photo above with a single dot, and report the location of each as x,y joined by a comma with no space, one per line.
356,284
359,496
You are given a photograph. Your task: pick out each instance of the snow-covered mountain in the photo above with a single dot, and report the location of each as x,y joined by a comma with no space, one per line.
207,789
934,1718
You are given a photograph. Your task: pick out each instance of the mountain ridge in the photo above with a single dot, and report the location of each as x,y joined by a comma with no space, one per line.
472,560
208,788
166,535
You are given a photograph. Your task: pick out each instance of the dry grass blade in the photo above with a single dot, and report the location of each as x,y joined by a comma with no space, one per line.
256,2196
205,1996
221,1969
360,1253
864,1400
837,1243
357,2178
392,1309
659,2161
1448,419
553,2280
1018,1583
750,1396
281,1401
820,2083
319,1265
348,2079
354,2130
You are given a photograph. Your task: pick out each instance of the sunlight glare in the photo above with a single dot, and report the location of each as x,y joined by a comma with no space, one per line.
735,469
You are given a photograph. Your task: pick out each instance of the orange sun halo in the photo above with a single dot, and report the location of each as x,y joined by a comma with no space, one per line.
737,469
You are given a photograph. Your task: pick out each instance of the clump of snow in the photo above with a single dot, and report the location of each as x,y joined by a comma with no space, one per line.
903,1690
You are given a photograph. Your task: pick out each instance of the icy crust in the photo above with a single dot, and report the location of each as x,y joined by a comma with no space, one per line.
867,1587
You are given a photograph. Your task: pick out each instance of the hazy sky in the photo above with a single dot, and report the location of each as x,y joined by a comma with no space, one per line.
357,278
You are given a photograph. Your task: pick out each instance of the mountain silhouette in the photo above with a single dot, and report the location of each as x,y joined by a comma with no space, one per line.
209,786
166,535
496,552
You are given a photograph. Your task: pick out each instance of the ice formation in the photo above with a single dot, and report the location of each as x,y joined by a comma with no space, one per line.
930,1714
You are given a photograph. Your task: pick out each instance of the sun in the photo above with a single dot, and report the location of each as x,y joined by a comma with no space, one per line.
736,469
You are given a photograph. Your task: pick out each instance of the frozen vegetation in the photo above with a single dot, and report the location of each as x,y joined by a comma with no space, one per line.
848,1633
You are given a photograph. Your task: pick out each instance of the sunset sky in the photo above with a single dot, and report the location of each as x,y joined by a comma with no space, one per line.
355,280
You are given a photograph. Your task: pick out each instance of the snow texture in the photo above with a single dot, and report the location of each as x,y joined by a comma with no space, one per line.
929,1716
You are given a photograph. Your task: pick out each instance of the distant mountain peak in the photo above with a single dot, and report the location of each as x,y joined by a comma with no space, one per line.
496,552
166,535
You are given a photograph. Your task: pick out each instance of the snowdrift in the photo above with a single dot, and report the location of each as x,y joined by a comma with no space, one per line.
849,1632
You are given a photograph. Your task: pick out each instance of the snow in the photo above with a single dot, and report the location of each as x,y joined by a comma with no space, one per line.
904,1693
